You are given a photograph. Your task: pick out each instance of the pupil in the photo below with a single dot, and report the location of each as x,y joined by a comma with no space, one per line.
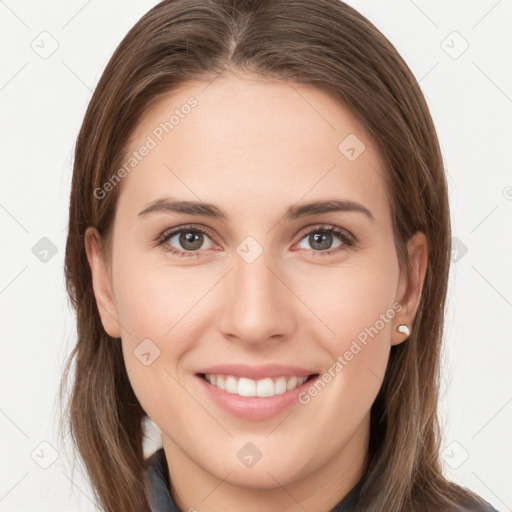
320,241
191,240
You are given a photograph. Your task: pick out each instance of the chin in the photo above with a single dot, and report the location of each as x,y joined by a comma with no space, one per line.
266,473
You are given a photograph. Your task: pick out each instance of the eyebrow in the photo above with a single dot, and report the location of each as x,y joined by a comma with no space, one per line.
167,204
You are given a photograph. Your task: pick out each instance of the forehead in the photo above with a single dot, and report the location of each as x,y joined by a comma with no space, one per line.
248,142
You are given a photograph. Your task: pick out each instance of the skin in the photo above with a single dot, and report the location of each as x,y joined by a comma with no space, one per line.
254,147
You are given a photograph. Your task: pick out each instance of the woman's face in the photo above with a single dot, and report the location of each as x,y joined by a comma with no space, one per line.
262,287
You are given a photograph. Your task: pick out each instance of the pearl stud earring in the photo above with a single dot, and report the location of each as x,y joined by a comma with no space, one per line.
403,329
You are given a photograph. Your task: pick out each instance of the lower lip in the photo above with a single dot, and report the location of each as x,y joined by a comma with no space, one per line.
254,407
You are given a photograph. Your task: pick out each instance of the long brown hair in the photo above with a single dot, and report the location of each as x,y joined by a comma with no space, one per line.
333,48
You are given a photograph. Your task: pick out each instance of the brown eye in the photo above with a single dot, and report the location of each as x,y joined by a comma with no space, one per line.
190,240
321,239
186,241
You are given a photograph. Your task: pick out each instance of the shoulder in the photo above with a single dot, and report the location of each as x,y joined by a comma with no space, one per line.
479,505
485,507
156,466
467,500
156,472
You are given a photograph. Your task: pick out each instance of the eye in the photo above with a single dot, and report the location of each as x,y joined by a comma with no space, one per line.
190,238
321,238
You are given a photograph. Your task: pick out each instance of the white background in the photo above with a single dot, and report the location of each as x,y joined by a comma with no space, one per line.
43,101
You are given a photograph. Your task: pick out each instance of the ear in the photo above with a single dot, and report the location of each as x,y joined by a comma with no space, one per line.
101,283
409,291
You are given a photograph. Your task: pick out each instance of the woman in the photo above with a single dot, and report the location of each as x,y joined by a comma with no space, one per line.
258,254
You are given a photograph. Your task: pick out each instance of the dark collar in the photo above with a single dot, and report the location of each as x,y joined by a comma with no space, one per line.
158,476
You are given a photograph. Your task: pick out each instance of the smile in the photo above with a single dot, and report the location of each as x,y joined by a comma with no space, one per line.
244,386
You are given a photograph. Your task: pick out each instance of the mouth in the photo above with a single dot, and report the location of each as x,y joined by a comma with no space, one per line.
261,388
254,392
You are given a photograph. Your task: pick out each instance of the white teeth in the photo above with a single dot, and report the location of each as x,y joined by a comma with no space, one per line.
248,387
264,387
231,385
291,383
280,385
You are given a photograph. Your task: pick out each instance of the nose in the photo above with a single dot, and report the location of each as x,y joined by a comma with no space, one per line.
259,304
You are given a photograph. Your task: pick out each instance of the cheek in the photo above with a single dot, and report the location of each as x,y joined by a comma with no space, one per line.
350,381
156,336
149,306
158,308
359,311
352,300
153,300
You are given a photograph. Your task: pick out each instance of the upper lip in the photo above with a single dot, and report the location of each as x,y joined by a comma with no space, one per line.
257,372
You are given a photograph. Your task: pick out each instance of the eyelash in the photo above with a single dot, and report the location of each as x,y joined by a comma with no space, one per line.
346,238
